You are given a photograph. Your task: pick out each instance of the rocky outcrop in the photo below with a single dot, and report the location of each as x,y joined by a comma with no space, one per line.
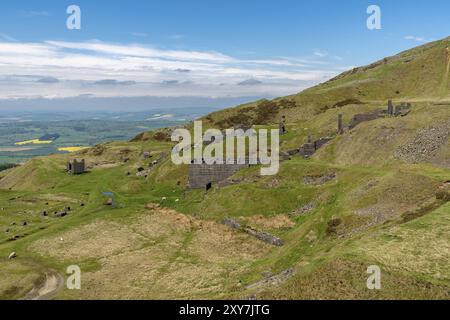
264,236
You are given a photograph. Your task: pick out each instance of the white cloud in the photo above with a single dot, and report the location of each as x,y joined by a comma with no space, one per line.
320,53
139,34
417,39
85,67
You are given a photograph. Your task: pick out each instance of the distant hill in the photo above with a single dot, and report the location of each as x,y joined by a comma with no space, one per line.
421,73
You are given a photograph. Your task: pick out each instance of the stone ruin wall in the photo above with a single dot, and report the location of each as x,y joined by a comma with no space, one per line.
200,175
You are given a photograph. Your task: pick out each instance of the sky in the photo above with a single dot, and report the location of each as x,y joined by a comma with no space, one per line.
182,50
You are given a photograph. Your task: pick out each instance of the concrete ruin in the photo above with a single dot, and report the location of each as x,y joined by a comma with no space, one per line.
76,167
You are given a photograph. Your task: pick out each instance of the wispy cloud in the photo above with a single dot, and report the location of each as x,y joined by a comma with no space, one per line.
417,39
177,36
320,53
7,37
139,34
98,68
36,14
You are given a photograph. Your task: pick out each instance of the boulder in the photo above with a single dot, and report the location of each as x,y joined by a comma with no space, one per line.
109,202
12,255
231,223
60,214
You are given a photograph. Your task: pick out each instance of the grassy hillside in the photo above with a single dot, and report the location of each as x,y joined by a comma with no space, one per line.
385,203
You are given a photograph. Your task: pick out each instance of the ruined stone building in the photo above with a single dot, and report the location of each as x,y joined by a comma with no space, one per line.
311,146
76,167
202,176
392,111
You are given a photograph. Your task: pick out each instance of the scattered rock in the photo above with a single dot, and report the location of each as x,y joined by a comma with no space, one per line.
264,236
142,174
425,146
153,206
332,226
274,183
60,214
25,223
303,210
232,223
320,179
7,230
44,214
109,202
272,281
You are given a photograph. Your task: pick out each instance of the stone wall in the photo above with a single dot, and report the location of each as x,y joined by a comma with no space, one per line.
310,147
359,118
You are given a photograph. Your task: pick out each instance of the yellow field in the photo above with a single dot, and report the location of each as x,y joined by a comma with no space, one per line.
34,141
71,149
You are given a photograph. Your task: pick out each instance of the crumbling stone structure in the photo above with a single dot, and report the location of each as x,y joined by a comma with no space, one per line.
76,167
392,111
340,124
204,175
363,117
260,235
282,125
310,147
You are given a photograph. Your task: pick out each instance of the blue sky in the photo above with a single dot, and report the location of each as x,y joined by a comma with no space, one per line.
201,48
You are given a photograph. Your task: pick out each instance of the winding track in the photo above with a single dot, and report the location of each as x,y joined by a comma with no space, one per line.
53,283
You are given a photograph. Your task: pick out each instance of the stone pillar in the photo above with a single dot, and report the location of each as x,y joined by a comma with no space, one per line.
390,108
340,124
282,125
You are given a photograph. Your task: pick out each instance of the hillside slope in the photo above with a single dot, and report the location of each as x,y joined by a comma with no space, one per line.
419,74
378,194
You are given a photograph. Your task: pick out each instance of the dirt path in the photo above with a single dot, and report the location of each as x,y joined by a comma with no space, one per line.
46,290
